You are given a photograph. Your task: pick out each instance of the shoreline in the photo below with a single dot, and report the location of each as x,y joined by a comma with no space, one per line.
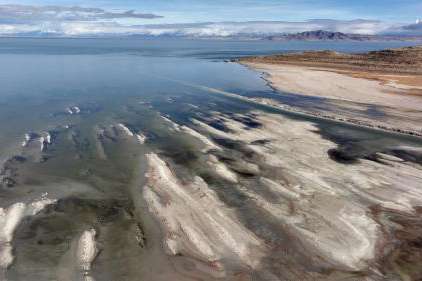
358,123
304,114
269,72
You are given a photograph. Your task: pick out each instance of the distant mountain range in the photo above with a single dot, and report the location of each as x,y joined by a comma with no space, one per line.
322,35
318,35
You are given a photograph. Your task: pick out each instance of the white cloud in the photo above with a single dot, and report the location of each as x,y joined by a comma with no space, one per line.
81,21
21,14
11,29
411,29
224,29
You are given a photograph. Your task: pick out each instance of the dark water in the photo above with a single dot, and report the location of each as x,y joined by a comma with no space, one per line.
132,82
180,47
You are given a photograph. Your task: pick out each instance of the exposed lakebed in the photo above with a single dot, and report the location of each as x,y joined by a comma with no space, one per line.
139,165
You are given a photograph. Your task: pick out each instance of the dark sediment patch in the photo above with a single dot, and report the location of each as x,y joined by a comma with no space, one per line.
230,196
181,157
342,156
237,165
235,145
356,143
9,176
244,173
410,155
261,142
248,121
217,124
350,153
227,143
376,158
404,252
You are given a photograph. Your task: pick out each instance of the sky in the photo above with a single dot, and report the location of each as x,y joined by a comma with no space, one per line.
250,10
126,16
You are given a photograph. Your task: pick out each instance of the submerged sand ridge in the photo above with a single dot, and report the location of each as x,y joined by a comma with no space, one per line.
195,221
227,196
325,207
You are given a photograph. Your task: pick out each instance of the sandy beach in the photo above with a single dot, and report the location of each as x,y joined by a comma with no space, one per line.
397,95
324,82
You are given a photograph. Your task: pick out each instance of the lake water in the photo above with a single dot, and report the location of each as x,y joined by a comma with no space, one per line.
69,91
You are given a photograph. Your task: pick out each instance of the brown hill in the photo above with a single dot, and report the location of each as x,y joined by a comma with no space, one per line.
401,60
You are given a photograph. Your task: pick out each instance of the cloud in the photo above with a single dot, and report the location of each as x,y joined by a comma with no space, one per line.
256,28
82,21
412,29
26,14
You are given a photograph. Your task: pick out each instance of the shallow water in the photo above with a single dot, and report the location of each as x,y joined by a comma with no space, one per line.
94,170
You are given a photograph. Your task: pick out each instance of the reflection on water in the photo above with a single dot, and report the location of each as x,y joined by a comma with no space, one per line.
79,116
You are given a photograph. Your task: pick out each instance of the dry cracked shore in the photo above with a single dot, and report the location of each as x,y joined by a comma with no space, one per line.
388,81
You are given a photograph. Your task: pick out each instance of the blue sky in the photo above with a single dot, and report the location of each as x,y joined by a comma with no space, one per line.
177,11
208,17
